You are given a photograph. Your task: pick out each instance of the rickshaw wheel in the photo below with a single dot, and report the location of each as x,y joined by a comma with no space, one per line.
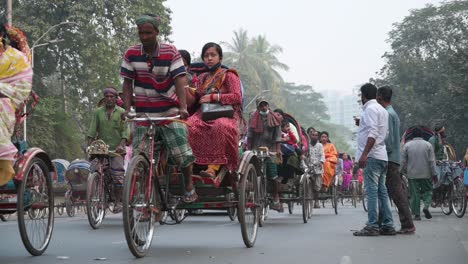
37,179
334,198
95,200
459,198
248,206
231,211
446,204
263,198
305,199
178,215
141,210
59,209
291,207
312,196
70,206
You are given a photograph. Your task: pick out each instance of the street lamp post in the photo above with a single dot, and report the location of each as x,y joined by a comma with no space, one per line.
255,97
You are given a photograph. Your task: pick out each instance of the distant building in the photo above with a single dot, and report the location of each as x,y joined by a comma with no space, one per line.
342,108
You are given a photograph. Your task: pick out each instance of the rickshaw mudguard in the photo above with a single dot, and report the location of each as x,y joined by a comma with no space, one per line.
22,162
247,158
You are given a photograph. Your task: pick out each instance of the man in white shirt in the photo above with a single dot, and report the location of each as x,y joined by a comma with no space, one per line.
372,156
315,162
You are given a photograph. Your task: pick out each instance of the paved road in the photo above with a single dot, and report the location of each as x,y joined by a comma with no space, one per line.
285,239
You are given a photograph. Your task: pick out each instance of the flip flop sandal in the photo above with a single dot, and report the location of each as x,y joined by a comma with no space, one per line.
190,197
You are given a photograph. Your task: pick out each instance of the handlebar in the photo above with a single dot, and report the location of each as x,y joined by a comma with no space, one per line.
147,118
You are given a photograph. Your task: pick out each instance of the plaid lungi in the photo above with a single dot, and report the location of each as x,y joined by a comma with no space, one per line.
174,138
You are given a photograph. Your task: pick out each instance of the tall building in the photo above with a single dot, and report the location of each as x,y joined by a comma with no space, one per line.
342,108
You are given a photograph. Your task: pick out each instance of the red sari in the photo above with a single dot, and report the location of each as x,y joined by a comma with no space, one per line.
216,141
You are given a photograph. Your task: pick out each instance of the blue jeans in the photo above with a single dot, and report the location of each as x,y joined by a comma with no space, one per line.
374,180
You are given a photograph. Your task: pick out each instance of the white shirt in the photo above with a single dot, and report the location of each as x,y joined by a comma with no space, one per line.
374,124
316,157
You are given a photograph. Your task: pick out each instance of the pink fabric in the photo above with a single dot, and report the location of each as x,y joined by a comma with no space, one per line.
216,141
347,172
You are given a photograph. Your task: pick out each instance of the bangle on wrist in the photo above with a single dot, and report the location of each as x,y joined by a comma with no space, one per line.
218,97
211,97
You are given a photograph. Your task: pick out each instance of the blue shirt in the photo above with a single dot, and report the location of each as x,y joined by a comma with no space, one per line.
392,142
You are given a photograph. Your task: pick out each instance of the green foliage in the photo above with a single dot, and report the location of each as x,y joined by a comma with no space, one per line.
70,75
257,62
428,68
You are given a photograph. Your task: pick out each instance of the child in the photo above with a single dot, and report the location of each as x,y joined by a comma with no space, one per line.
288,140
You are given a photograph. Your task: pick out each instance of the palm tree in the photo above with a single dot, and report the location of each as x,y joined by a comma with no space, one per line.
267,64
257,62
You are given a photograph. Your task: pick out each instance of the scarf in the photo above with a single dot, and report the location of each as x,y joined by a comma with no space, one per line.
213,84
273,120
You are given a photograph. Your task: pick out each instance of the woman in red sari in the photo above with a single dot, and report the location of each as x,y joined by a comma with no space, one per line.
215,143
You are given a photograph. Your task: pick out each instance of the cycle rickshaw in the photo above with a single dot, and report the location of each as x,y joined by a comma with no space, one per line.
100,192
448,189
60,186
292,190
30,192
152,187
77,177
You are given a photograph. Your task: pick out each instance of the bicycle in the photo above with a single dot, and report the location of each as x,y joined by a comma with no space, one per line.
100,191
149,191
449,193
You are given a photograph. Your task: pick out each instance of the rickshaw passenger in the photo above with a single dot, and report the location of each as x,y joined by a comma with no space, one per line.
215,142
107,125
292,154
15,87
264,131
331,159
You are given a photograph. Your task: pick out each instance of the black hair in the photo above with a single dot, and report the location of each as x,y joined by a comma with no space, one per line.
186,56
326,133
279,111
438,127
212,45
5,34
369,91
309,129
284,123
417,131
386,93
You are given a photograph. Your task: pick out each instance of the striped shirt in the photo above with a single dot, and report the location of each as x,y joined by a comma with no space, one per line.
154,78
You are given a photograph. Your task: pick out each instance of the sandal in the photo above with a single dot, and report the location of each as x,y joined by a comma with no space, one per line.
209,173
367,231
190,196
277,206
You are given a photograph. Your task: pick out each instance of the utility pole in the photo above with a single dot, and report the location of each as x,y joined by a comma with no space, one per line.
9,12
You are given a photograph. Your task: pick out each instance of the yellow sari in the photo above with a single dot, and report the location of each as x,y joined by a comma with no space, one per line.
15,87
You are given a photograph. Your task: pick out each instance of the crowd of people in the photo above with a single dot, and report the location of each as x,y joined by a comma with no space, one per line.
159,81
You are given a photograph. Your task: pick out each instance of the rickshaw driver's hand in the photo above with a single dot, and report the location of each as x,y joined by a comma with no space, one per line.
279,156
183,113
120,148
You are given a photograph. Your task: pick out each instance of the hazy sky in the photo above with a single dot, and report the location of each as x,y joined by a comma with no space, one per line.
329,44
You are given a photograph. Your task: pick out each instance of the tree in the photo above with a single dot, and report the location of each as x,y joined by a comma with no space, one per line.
258,65
70,75
428,68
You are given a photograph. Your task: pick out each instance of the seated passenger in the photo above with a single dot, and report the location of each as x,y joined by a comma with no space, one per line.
215,142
